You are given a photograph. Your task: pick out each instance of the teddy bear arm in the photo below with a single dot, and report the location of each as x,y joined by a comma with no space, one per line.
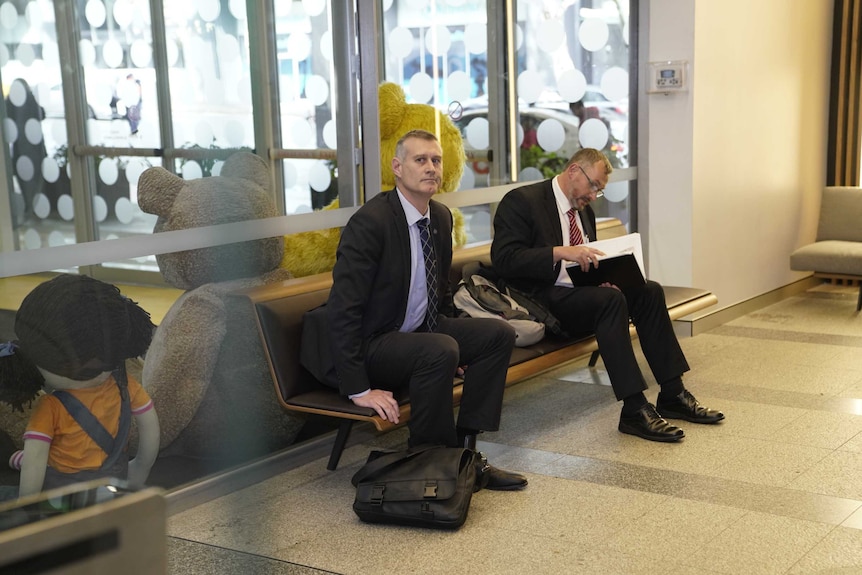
33,466
148,448
182,358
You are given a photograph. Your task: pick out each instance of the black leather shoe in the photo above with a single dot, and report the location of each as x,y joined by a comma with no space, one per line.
489,477
685,406
648,424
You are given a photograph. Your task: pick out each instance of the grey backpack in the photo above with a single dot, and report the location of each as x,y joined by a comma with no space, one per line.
477,296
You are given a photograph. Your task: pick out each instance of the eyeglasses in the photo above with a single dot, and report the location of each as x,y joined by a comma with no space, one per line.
594,186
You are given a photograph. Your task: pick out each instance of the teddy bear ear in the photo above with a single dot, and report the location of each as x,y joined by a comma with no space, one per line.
247,166
157,190
393,105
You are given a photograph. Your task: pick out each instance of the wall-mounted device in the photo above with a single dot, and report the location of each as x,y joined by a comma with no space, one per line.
667,76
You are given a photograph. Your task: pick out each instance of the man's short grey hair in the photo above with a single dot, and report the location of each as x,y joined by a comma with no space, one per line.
586,157
420,134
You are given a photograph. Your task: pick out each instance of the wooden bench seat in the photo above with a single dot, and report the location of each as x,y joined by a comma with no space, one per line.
279,309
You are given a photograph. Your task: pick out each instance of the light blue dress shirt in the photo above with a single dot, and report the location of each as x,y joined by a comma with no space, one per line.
417,298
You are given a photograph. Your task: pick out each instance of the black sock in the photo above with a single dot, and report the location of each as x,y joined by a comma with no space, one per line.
670,389
633,403
463,433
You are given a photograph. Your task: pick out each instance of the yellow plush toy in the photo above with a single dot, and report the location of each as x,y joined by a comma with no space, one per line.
314,252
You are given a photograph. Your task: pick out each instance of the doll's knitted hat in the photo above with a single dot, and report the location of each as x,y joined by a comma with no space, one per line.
73,326
77,327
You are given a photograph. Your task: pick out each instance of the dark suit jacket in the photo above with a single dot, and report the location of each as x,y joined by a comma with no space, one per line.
371,281
526,230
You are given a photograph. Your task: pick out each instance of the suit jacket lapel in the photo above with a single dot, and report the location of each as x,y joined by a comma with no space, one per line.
552,213
403,233
587,219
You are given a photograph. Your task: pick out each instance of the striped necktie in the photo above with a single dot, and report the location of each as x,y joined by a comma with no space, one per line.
430,274
575,237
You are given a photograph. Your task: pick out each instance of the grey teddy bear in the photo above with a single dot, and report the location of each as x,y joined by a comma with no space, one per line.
205,369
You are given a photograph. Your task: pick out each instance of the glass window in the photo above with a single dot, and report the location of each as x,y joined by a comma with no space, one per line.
573,88
210,80
116,54
436,51
571,85
306,81
33,128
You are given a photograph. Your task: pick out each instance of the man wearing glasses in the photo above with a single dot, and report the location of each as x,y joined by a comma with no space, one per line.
540,225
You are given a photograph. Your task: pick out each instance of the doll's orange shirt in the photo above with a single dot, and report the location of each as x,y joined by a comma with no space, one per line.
72,449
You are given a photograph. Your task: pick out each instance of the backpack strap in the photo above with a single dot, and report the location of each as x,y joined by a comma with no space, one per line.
113,446
469,269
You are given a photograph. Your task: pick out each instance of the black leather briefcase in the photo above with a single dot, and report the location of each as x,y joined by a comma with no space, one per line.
426,486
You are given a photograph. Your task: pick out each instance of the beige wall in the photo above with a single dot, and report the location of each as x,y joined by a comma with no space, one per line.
735,165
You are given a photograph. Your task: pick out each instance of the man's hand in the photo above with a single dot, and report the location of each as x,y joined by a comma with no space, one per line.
381,401
583,254
610,285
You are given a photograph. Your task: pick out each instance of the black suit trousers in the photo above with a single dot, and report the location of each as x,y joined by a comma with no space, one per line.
606,312
427,362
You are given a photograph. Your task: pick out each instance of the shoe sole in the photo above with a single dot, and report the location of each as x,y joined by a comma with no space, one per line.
660,438
684,417
512,488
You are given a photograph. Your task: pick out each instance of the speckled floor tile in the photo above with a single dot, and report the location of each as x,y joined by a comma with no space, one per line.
838,474
190,558
673,526
820,429
840,552
258,519
771,463
759,543
362,549
778,374
574,511
848,358
791,352
855,520
854,444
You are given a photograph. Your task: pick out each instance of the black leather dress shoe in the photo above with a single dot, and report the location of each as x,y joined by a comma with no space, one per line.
648,424
489,477
685,406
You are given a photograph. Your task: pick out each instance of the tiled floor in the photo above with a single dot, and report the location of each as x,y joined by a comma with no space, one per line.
776,488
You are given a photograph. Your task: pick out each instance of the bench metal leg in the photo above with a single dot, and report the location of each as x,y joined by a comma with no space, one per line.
859,301
594,357
340,442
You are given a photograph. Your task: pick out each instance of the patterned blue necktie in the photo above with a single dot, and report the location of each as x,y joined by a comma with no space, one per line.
430,274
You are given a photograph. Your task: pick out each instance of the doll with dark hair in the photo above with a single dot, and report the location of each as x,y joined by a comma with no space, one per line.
75,334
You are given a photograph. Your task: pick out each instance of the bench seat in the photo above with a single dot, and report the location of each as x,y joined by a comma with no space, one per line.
279,309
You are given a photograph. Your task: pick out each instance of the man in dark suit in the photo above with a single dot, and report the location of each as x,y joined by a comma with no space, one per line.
389,314
539,227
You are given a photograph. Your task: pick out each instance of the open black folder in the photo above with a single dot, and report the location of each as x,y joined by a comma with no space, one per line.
622,271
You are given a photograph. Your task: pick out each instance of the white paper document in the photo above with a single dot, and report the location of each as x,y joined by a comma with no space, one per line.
628,244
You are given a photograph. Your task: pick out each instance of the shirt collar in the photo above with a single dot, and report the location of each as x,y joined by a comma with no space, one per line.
410,212
563,203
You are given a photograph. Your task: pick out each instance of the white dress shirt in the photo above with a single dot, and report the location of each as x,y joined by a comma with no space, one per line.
563,206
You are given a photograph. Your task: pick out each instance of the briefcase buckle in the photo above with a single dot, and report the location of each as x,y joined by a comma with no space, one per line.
377,494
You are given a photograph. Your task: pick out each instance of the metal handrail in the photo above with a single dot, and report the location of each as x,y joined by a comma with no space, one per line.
224,153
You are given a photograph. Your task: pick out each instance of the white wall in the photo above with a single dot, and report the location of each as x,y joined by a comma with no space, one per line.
736,164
